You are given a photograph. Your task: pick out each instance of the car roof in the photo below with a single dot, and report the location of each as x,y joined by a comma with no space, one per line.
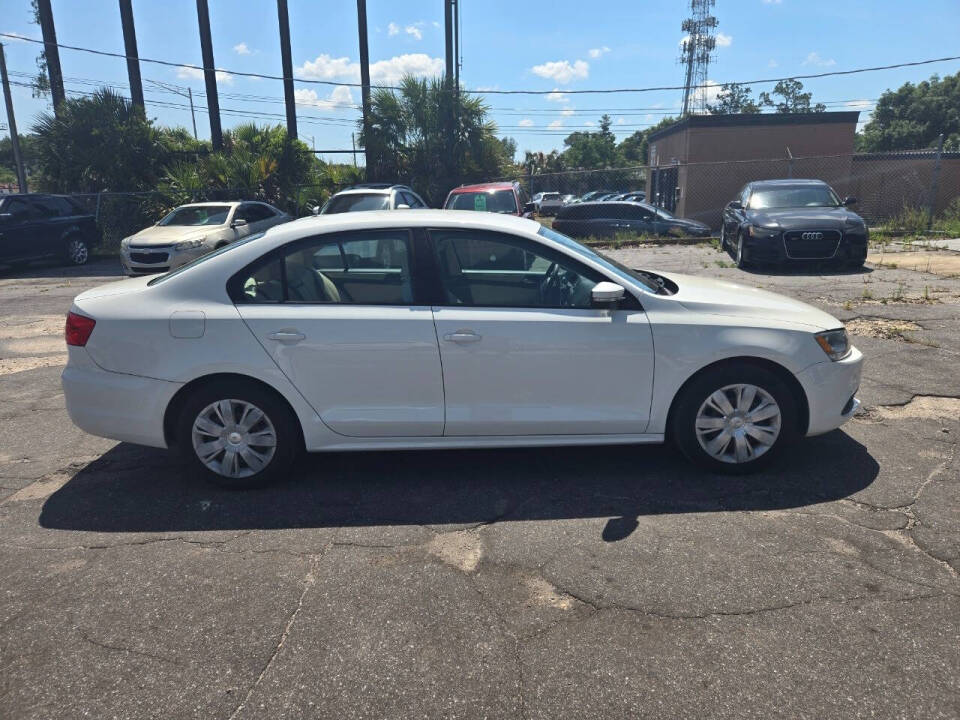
217,202
401,219
788,181
369,190
483,187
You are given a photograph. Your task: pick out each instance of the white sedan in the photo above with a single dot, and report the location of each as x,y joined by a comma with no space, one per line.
445,329
192,230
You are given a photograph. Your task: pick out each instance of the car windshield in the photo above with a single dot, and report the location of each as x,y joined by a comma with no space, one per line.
195,215
609,263
498,201
204,258
794,196
355,202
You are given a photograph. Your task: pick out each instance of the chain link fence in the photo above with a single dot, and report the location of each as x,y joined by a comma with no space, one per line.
901,192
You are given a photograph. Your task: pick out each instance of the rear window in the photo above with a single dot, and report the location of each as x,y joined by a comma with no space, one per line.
498,201
356,202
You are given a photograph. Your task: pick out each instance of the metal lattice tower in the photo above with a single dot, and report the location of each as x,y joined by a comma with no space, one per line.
696,51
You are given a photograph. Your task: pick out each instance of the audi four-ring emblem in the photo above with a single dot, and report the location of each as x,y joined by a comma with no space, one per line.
811,236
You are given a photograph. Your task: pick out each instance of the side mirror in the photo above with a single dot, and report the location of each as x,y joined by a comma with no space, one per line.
315,210
238,223
529,208
848,201
735,205
606,293
403,206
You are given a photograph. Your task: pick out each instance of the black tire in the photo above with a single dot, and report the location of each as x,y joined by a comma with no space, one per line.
739,256
696,393
76,250
286,429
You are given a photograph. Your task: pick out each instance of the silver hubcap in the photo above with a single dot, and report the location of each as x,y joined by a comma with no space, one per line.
78,251
234,438
738,423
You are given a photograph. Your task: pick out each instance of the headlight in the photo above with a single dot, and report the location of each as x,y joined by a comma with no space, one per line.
188,244
762,232
834,343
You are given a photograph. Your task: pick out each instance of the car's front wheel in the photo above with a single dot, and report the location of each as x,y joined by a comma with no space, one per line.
735,418
741,259
238,435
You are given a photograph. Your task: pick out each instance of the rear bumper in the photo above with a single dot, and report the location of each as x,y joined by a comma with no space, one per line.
831,391
113,405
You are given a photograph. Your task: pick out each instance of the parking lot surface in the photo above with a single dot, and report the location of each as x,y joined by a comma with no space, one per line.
543,583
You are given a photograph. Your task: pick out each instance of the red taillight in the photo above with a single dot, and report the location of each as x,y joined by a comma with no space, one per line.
78,329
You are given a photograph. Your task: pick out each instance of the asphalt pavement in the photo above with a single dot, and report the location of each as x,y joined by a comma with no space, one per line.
542,583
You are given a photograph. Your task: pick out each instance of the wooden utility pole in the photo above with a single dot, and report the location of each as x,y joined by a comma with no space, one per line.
209,74
51,53
448,35
130,50
287,62
12,124
364,82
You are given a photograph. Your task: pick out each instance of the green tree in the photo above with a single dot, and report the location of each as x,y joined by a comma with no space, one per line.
431,138
592,149
732,99
633,149
913,116
792,98
102,142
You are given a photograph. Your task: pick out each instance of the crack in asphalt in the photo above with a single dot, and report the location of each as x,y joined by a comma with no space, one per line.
309,580
124,649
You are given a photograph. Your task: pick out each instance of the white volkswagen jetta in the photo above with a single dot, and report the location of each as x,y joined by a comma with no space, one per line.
445,329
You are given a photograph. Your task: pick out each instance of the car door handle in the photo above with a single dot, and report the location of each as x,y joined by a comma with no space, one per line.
462,337
287,336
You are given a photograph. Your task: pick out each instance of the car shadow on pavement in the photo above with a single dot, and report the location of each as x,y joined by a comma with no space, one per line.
134,489
802,269
105,267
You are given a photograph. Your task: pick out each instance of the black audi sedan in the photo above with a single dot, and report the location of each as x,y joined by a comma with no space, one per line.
780,221
608,218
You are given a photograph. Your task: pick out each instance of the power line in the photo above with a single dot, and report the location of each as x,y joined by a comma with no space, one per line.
595,91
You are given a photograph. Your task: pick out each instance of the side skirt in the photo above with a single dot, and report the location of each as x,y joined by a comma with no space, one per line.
438,443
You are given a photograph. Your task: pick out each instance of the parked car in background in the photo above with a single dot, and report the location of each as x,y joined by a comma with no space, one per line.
190,231
593,195
604,197
567,199
506,198
372,196
605,219
35,225
549,204
634,196
436,329
781,221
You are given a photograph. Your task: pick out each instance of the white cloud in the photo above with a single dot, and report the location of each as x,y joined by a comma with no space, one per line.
557,96
526,122
589,123
563,71
773,63
435,24
195,73
858,104
567,112
555,125
16,37
389,72
414,31
393,29
597,52
724,40
382,72
621,121
339,97
241,49
815,59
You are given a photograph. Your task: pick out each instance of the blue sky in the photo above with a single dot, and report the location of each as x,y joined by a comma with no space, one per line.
562,45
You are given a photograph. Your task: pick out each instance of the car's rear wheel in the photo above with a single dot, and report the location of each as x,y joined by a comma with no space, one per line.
238,435
734,419
76,252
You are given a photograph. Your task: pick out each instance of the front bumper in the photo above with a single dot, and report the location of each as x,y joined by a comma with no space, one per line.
114,405
156,259
831,391
851,248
